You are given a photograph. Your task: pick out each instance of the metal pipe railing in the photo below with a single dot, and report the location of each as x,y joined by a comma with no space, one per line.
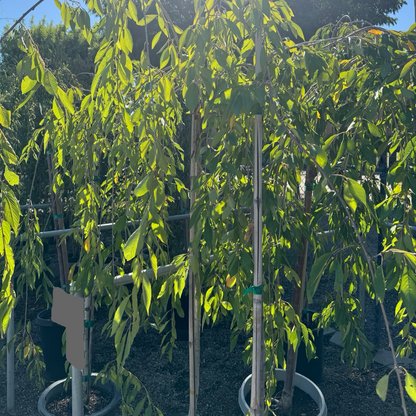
10,363
103,227
36,206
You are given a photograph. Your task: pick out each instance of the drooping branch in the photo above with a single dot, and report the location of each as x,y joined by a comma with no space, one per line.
357,232
20,19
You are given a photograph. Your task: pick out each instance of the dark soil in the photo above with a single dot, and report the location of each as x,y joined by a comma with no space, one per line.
347,390
303,404
61,405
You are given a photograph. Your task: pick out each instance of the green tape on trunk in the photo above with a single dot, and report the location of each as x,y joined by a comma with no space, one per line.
257,290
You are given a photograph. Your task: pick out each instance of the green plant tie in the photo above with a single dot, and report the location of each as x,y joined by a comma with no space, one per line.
88,324
257,290
97,178
63,287
87,377
49,152
55,217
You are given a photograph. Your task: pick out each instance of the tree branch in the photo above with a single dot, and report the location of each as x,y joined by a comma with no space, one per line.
354,225
20,19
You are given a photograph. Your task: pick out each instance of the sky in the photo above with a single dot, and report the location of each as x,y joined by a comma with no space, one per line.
13,9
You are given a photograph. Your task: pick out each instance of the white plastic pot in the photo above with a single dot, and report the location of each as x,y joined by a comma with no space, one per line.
300,381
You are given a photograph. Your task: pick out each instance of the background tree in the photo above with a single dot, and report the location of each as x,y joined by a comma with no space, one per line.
310,15
69,57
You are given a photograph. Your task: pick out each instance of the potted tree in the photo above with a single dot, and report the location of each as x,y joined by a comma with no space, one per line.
252,86
299,91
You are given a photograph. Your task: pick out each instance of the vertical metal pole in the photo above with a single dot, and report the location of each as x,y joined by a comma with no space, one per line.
10,364
194,320
87,345
258,379
77,399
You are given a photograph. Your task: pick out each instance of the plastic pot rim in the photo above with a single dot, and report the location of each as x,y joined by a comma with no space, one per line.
300,381
57,387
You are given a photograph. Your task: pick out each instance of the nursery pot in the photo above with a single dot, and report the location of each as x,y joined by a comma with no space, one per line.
57,388
314,368
51,342
300,381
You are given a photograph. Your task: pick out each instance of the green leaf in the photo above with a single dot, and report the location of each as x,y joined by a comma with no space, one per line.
28,97
374,130
167,88
160,233
11,208
349,198
146,292
27,84
356,191
5,116
321,157
133,12
11,177
119,315
379,284
57,110
411,386
192,96
148,411
65,101
382,386
329,141
316,273
155,39
407,68
130,249
139,407
149,18
128,40
153,261
50,83
339,275
66,15
143,187
408,292
411,146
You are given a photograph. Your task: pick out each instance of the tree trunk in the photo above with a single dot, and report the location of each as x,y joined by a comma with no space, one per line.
258,375
298,297
58,220
193,278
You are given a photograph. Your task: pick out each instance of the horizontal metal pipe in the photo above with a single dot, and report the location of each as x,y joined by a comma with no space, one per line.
107,226
390,224
36,206
161,271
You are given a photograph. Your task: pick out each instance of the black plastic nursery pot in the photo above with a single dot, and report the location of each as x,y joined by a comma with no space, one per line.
51,342
57,388
314,368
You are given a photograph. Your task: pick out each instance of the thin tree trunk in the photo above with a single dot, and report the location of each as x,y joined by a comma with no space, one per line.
298,297
258,371
58,225
194,284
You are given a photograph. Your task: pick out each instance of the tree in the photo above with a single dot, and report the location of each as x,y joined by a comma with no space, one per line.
310,15
70,58
356,82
